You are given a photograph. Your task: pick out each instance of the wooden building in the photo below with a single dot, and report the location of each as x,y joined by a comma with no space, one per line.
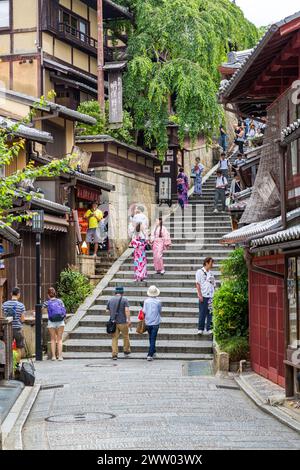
265,85
52,44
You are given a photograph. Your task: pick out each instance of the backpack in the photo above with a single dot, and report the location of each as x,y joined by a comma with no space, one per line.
11,311
56,310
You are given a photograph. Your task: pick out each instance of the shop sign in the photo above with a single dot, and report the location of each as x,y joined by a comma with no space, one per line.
88,194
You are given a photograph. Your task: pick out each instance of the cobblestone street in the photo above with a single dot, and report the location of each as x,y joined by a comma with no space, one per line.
154,406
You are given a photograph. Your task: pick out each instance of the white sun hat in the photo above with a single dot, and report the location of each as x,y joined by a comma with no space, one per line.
153,291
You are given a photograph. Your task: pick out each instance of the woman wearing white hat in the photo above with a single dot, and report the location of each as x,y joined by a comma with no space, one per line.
152,311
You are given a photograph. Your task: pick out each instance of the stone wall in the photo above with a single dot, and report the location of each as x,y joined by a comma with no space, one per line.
131,189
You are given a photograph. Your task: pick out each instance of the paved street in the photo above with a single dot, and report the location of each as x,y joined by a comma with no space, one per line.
154,406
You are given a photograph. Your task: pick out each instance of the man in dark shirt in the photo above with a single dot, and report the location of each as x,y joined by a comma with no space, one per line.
15,309
118,307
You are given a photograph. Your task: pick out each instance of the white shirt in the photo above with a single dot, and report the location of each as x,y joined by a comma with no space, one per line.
224,164
206,281
221,182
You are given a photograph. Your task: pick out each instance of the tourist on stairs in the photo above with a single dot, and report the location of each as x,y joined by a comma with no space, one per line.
139,242
160,241
221,185
205,283
182,189
197,171
152,311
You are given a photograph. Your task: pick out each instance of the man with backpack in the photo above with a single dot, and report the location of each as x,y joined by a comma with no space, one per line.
118,308
221,185
15,309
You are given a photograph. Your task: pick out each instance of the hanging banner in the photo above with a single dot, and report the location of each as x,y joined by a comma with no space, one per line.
115,98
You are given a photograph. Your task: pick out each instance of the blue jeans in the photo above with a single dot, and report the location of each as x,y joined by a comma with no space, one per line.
152,330
204,313
223,140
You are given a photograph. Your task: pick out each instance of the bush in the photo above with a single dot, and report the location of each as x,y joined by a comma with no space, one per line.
230,311
237,348
73,288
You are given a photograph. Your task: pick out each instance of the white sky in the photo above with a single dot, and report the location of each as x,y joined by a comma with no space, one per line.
265,12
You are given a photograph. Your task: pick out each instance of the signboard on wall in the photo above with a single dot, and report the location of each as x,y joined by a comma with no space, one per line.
88,194
115,86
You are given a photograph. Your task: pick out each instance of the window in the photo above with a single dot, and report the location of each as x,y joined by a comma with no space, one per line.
74,25
4,13
293,288
294,159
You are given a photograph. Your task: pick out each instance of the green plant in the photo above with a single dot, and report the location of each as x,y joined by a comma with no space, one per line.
92,108
174,50
73,288
237,348
230,311
231,300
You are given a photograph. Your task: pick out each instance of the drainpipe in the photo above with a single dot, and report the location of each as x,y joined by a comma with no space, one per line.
100,65
282,153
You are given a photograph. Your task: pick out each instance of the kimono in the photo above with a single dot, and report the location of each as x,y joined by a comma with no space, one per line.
139,257
182,190
197,171
159,245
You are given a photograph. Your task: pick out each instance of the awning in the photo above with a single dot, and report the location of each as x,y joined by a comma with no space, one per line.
50,206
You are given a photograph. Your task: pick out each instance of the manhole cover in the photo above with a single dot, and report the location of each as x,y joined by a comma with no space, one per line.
204,368
101,365
79,417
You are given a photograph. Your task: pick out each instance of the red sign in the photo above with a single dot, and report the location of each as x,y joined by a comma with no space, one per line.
88,194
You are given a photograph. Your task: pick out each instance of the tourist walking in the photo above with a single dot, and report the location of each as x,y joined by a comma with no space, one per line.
235,187
139,242
220,194
160,241
56,323
223,138
182,189
94,216
196,174
205,284
224,165
152,311
118,308
16,309
240,137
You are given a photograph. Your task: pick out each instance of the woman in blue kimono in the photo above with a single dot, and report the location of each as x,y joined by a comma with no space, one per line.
197,171
182,189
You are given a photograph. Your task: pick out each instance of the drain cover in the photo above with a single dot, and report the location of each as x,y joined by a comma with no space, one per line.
51,386
79,417
204,368
101,365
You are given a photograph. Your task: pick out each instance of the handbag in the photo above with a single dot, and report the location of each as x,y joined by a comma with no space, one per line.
141,327
111,325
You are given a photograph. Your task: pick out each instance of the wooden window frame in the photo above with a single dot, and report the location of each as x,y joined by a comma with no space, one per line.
77,17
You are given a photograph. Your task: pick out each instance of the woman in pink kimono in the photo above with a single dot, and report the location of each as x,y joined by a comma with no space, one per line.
160,241
139,243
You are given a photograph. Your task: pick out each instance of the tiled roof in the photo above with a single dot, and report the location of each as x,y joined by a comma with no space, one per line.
257,229
9,234
24,131
49,106
226,88
290,234
49,205
290,129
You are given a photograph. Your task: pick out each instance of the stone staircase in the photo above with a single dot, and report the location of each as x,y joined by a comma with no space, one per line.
195,239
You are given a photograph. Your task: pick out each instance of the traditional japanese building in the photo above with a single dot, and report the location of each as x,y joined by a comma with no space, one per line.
266,85
53,44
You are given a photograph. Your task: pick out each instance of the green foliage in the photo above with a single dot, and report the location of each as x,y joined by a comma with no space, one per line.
231,300
10,147
92,108
237,348
234,268
175,48
73,289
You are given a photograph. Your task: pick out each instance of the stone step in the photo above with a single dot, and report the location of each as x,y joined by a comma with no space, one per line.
170,311
191,254
140,345
140,290
166,301
166,322
179,279
165,334
137,356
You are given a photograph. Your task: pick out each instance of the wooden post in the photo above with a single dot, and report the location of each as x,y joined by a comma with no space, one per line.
101,97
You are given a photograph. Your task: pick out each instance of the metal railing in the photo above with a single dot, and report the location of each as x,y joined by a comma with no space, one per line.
71,32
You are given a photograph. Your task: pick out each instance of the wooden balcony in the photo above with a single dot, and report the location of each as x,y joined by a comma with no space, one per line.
77,37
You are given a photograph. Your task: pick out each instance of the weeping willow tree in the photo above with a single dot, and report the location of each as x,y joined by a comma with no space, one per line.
174,49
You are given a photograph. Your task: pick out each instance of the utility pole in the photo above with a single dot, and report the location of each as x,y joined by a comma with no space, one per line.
101,97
